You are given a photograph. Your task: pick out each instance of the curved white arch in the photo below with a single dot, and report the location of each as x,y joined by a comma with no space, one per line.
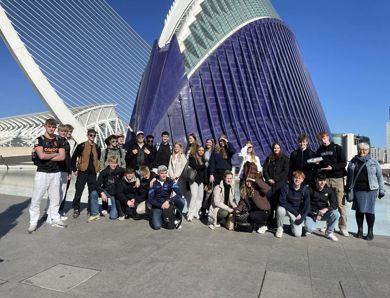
48,94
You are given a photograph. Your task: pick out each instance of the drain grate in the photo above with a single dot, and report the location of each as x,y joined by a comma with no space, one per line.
61,277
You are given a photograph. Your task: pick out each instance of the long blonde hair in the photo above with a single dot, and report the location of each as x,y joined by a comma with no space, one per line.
180,153
253,153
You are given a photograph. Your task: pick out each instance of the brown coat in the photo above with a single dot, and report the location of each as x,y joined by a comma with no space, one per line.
260,190
84,158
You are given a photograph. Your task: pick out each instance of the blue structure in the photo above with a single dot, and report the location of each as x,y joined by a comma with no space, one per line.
251,85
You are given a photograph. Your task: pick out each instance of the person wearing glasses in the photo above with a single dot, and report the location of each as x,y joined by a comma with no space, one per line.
139,153
112,149
85,165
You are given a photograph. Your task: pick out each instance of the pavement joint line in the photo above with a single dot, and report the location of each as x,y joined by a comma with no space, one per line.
262,283
342,289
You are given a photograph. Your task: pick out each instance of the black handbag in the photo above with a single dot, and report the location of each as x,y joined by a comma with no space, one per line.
245,227
189,173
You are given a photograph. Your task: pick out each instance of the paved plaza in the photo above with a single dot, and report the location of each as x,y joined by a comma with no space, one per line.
128,259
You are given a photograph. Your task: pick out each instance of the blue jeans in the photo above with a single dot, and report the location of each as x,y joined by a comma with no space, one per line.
156,216
95,204
331,218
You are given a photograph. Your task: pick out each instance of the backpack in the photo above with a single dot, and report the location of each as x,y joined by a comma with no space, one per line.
172,218
158,146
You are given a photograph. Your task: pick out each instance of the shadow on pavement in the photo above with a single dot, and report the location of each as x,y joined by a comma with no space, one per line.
8,218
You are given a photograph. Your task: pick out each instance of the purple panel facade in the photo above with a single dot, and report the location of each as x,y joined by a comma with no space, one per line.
252,87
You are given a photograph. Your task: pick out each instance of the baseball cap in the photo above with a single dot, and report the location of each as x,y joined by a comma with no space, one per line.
140,132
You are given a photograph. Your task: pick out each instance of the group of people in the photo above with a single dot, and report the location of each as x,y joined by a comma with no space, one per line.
163,182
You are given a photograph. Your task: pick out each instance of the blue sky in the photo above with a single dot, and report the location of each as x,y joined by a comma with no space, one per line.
345,45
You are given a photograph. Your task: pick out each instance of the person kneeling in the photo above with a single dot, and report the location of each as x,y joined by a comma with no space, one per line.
254,204
222,207
295,203
161,199
323,207
130,201
105,189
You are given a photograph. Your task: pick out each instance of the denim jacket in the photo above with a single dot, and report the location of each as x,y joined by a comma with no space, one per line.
374,171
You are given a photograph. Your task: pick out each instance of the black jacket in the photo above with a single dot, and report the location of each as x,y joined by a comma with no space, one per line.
201,170
326,198
162,154
108,180
298,161
66,164
333,155
134,161
126,191
276,169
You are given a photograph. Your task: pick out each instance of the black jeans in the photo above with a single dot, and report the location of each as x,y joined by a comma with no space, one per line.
82,179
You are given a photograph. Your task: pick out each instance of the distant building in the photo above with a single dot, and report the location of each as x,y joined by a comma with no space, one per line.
380,154
388,138
349,142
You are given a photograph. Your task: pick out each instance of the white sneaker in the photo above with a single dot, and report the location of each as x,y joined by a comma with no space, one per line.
262,230
344,233
279,232
31,228
58,224
121,218
93,218
104,212
213,227
63,217
323,229
331,236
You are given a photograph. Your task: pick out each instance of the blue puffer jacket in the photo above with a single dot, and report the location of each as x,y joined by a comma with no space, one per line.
158,194
374,171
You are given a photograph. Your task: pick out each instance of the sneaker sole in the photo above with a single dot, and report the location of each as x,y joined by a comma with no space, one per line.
58,226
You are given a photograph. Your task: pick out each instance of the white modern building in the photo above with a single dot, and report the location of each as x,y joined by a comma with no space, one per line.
349,142
380,154
21,131
76,54
388,140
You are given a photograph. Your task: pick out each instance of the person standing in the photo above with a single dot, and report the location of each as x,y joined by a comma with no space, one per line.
176,166
298,160
198,163
366,180
65,167
162,151
139,153
275,172
85,165
112,149
333,166
221,160
49,150
248,154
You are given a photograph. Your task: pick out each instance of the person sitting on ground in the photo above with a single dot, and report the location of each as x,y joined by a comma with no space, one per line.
160,197
223,204
105,189
130,201
323,207
147,179
295,203
112,149
254,201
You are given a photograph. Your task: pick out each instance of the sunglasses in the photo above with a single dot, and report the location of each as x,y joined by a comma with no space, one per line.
114,142
150,141
92,135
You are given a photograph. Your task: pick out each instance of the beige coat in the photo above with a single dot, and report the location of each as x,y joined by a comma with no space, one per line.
218,202
175,168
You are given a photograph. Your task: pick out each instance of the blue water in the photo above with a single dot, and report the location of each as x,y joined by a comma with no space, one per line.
19,182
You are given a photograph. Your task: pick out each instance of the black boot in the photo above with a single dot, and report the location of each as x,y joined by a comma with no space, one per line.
359,233
370,234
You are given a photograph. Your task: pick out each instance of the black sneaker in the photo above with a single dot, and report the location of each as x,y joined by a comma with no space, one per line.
76,213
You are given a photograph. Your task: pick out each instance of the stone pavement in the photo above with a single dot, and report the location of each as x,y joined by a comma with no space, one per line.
128,259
